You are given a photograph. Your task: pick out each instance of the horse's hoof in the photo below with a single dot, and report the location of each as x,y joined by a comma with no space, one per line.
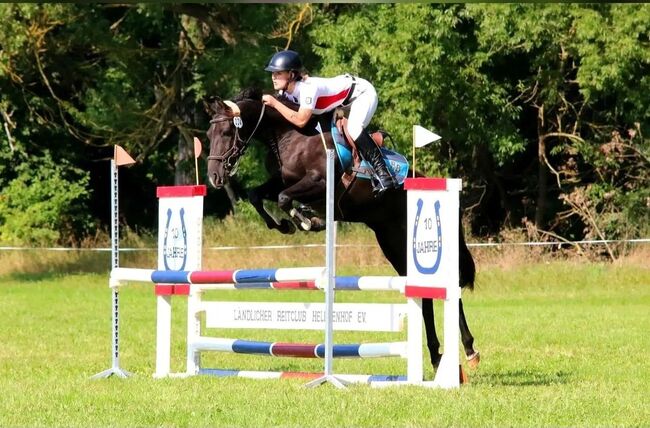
306,225
473,360
435,361
463,378
286,227
317,224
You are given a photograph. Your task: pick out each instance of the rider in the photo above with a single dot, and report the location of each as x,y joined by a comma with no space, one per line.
317,95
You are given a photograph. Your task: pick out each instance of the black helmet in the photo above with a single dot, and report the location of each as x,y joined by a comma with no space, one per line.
284,61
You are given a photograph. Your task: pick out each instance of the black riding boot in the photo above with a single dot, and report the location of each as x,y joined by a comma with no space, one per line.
371,153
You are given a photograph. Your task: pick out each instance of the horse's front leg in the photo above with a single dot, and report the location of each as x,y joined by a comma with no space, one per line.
433,344
310,187
270,191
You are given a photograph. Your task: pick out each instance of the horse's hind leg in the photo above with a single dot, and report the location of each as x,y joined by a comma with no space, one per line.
269,191
467,276
473,357
392,242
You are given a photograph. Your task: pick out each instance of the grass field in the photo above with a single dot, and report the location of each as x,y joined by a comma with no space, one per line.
563,343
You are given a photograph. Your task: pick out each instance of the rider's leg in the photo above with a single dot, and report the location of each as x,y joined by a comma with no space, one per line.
361,111
372,154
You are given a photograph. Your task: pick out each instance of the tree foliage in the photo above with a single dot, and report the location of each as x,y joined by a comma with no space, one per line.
543,108
531,100
582,69
45,204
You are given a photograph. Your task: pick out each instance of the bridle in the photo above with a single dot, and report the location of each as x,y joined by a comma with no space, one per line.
232,156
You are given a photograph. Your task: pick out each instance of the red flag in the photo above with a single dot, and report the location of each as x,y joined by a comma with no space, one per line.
122,157
197,147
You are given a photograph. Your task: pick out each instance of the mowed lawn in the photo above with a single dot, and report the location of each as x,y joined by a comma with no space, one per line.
562,344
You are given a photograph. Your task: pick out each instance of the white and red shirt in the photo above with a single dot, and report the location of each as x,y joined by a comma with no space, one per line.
321,94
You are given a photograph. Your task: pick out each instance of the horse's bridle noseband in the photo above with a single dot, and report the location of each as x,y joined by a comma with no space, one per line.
232,156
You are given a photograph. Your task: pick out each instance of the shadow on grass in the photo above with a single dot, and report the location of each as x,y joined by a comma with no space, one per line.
34,277
524,378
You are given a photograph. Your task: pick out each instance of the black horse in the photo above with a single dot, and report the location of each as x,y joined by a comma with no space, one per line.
297,163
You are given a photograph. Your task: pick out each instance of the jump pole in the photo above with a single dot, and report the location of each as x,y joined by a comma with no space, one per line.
330,273
120,157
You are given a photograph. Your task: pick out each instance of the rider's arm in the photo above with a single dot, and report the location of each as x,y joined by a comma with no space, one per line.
298,118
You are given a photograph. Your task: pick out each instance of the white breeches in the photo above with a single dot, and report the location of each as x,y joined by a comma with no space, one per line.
362,107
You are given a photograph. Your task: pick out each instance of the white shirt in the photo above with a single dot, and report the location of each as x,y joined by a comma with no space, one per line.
321,94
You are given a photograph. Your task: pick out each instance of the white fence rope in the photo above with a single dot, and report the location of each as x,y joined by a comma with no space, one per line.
285,247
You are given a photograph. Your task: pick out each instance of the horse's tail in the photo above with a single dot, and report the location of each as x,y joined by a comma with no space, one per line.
465,262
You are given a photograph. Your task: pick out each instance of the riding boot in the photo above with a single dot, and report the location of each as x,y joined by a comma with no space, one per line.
371,153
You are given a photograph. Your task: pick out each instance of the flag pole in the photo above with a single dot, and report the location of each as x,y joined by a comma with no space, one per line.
120,158
413,148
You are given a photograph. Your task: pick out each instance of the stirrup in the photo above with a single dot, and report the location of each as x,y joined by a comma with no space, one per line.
378,187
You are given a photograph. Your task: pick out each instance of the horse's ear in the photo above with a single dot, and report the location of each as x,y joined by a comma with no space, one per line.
213,105
252,93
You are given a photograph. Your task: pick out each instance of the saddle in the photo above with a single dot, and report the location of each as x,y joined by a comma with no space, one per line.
351,162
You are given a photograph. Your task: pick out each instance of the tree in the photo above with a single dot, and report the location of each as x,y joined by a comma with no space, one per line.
45,204
423,61
78,78
579,70
542,107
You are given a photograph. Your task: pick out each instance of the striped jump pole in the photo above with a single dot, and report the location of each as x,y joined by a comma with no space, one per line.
285,278
301,350
238,276
366,379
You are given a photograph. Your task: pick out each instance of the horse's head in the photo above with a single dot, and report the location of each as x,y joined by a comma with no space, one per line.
231,128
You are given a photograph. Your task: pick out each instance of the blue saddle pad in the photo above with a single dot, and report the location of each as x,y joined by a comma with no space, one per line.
397,163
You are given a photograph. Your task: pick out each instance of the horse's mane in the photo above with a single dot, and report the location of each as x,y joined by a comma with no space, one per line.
249,94
255,94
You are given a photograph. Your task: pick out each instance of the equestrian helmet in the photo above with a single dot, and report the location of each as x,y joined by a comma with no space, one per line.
284,61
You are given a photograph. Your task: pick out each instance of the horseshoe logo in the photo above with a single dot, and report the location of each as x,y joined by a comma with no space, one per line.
175,252
423,269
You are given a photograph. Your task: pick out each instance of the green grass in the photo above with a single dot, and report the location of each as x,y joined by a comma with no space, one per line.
562,344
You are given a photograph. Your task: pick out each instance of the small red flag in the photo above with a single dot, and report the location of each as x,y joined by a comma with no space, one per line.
122,157
197,147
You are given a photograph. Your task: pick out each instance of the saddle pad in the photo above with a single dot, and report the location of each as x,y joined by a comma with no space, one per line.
397,163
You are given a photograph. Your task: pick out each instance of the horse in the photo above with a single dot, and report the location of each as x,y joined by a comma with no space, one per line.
296,162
